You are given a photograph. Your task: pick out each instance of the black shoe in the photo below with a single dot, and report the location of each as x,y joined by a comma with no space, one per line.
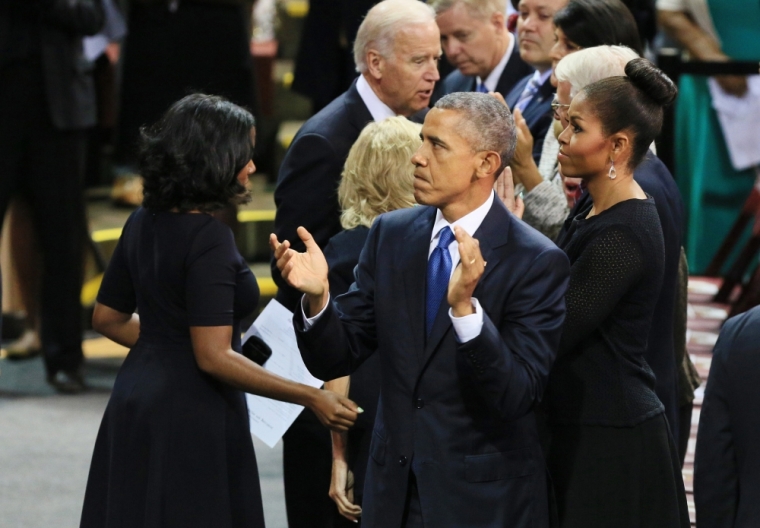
67,381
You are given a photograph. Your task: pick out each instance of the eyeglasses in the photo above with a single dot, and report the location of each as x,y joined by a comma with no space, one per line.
556,105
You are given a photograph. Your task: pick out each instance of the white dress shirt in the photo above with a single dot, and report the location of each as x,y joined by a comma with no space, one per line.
469,326
493,78
376,107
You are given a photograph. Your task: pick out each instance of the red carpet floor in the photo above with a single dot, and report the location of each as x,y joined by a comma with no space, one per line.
704,322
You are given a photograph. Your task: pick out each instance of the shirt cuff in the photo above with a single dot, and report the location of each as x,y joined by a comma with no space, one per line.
468,327
308,322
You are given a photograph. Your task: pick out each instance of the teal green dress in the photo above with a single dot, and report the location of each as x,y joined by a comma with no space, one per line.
712,190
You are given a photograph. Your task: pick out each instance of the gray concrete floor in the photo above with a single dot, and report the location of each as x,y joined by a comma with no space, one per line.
46,442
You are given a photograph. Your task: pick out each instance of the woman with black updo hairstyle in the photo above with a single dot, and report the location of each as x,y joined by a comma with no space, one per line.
174,448
611,456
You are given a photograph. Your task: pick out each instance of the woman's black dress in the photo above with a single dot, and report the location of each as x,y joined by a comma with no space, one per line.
174,448
611,456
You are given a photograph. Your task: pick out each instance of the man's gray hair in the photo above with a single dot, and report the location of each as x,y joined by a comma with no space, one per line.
383,22
482,9
590,65
486,124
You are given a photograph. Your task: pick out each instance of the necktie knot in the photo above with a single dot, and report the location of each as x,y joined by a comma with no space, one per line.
445,238
482,88
527,94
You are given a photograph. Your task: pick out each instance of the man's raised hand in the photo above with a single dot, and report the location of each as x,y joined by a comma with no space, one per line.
466,275
306,272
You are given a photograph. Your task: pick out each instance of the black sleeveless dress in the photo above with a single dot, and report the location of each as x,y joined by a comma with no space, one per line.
174,448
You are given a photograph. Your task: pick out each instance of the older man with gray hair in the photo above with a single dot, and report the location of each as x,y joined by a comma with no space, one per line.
475,39
396,52
464,305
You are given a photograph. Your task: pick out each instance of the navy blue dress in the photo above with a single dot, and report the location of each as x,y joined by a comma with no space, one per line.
174,449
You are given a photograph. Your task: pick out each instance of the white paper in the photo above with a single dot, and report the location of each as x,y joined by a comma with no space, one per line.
269,419
738,117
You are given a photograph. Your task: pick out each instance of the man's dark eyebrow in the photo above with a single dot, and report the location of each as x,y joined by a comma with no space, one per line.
437,140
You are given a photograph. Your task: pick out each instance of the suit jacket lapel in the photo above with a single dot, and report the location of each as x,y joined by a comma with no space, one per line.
491,234
414,257
513,96
359,115
540,103
514,70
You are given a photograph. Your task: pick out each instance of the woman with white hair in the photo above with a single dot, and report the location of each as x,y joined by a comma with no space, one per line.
378,177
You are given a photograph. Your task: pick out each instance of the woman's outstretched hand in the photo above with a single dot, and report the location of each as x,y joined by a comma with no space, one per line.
306,272
336,412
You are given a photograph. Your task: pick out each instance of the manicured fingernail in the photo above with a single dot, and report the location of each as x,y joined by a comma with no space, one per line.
359,410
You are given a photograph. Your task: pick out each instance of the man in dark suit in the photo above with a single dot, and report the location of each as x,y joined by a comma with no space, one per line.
532,96
727,462
475,40
465,350
396,52
47,102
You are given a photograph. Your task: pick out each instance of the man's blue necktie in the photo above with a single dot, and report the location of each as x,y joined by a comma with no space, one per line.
527,95
482,88
438,272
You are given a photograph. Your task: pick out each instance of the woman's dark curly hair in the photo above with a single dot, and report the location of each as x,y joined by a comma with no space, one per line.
191,157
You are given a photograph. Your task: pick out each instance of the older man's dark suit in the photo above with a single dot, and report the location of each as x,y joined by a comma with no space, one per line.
514,71
307,185
458,415
727,463
538,113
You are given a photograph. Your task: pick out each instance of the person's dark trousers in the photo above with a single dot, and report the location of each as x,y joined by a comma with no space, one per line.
307,468
684,429
45,166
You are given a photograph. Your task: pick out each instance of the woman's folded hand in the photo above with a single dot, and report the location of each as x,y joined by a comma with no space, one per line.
336,412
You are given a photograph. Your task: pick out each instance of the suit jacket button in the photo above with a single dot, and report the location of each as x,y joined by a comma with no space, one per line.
419,403
402,460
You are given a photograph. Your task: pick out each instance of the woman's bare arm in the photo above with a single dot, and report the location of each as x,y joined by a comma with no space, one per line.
213,354
115,325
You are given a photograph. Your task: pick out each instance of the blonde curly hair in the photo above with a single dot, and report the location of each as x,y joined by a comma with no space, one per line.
378,175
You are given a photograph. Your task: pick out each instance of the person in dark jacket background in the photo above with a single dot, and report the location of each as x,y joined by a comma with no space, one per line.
726,475
47,103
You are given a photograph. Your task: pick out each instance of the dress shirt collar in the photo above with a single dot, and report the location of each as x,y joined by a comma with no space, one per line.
469,222
378,109
493,78
541,78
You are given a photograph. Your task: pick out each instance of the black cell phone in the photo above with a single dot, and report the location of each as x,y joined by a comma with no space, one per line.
257,350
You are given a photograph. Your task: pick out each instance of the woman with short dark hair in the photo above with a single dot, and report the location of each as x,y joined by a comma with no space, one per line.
174,447
611,456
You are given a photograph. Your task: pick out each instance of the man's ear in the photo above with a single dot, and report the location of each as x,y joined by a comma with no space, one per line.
499,22
375,64
489,162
